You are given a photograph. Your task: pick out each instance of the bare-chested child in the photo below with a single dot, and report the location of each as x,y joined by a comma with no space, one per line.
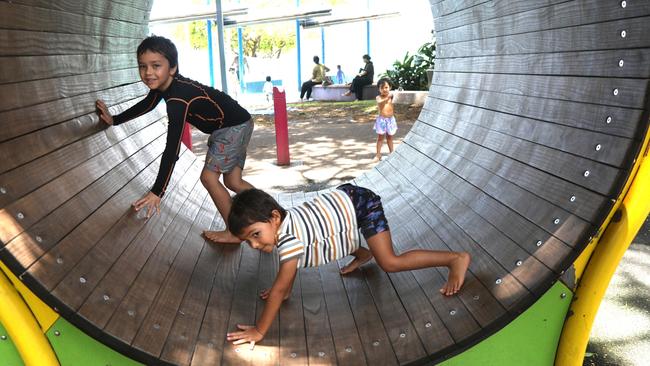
321,231
385,123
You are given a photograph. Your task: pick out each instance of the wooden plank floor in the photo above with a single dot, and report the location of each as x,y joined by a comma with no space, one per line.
534,119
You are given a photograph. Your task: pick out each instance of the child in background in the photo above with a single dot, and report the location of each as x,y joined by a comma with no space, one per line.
385,123
321,231
268,89
211,111
340,75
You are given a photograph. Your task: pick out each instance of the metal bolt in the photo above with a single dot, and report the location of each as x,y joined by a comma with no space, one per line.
348,349
598,147
321,354
476,297
623,4
427,325
621,63
402,335
615,91
375,343
293,355
519,263
82,279
20,216
38,239
498,281
452,312
572,199
59,260
539,243
57,333
131,313
556,221
586,173
609,119
3,190
623,34
106,297
562,295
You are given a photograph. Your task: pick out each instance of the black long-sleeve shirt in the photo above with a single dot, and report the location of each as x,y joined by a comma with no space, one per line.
203,107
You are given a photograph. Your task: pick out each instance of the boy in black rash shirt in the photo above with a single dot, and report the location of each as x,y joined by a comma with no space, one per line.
210,110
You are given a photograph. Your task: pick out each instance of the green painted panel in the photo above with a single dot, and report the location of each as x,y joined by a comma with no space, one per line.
531,339
8,353
73,347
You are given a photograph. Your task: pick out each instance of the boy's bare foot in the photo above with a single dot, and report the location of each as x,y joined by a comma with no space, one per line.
221,237
346,94
377,158
457,270
361,256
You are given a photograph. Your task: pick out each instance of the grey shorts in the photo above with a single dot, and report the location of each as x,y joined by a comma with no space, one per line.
227,147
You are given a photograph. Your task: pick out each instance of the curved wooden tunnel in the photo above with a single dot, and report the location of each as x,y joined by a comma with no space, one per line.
535,116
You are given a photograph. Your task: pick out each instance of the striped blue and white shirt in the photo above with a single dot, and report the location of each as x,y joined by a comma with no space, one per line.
319,231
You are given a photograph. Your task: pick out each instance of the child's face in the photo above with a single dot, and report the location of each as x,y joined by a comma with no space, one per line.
262,235
155,71
384,89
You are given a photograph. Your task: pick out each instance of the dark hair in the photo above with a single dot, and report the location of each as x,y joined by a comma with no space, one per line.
383,81
268,78
367,57
251,206
316,59
160,45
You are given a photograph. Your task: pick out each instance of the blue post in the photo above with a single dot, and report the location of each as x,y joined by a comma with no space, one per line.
210,57
368,30
240,41
322,44
222,56
298,48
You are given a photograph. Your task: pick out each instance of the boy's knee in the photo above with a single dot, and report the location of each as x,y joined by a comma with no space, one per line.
208,177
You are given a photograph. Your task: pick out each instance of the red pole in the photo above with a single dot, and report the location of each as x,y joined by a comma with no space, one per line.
281,128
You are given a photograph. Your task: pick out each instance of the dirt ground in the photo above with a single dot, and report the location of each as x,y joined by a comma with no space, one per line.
329,143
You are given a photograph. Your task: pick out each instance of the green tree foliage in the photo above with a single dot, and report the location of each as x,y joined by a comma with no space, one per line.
411,72
266,41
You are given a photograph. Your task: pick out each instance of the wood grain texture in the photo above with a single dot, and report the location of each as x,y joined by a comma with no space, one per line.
33,43
99,8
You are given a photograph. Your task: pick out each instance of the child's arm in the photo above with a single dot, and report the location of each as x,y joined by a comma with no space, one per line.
281,288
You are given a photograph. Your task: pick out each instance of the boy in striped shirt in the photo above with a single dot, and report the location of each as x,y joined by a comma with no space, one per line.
320,231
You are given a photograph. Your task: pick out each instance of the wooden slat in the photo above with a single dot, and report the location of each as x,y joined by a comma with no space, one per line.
18,122
26,68
269,351
98,8
565,14
451,6
31,43
320,346
21,17
33,207
624,122
630,92
42,91
104,241
591,37
293,341
116,282
589,63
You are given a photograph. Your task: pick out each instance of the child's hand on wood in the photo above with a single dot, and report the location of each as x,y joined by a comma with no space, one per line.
103,113
248,333
150,201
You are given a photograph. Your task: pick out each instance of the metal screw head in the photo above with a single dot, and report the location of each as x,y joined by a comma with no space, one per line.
539,243
623,34
375,343
598,147
452,312
615,91
572,199
586,173
38,239
623,4
59,260
156,326
293,355
348,349
476,297
556,221
402,335
498,281
3,337
20,215
519,263
210,345
57,333
427,325
131,313
3,190
106,297
321,354
621,63
609,119
563,295
82,279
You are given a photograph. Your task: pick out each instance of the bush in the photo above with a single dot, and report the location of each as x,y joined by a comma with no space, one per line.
411,72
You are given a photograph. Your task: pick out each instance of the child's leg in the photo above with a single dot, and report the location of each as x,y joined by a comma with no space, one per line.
380,142
234,181
389,141
221,199
381,246
361,256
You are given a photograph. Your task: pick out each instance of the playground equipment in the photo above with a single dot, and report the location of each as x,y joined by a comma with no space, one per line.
530,153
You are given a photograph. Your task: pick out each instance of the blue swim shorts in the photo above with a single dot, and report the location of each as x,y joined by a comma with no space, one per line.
369,211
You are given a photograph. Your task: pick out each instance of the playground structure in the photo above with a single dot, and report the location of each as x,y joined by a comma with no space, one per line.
530,153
